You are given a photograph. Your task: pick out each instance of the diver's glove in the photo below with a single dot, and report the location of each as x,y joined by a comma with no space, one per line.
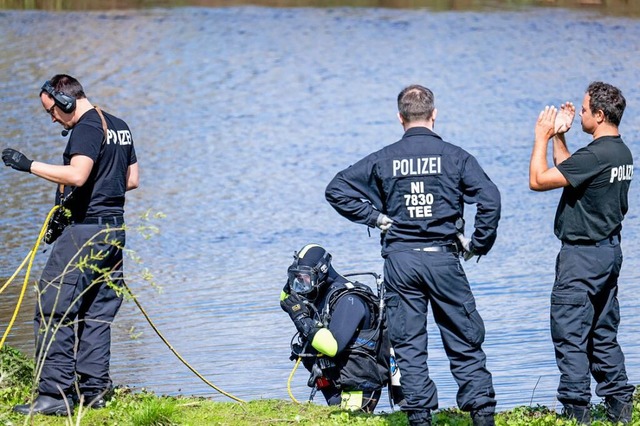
16,160
384,222
300,315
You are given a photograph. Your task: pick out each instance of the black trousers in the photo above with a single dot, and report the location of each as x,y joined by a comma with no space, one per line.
76,298
584,322
413,280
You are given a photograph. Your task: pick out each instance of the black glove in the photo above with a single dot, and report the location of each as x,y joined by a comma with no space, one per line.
16,159
300,316
294,306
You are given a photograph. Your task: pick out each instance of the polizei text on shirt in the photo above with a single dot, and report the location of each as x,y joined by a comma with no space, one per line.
118,137
621,173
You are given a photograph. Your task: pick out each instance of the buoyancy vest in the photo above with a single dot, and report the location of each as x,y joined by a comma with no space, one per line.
364,363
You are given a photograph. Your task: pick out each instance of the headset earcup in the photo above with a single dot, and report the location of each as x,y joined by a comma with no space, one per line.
65,102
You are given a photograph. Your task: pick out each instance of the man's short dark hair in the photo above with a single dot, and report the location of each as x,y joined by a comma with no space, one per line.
608,99
415,102
68,85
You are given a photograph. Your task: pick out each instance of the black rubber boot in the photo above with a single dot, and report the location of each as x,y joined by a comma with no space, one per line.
93,401
47,405
484,416
483,420
618,411
581,413
419,418
97,400
94,398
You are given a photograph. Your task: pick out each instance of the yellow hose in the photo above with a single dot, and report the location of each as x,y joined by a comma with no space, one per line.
166,342
15,273
295,367
30,256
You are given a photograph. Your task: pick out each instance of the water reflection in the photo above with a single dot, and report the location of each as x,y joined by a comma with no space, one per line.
242,115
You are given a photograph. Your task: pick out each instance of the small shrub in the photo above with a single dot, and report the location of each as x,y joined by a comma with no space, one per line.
16,375
156,412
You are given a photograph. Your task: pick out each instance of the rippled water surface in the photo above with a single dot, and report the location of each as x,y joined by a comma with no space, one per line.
242,115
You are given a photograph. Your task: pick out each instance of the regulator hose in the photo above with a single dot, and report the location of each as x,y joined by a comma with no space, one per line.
295,367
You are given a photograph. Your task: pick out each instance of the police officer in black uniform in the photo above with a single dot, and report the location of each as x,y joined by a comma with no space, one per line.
77,289
584,307
339,331
414,190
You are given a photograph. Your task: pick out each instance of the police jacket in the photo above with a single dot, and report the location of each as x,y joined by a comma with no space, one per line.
422,183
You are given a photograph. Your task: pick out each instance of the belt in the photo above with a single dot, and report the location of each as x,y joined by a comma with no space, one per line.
449,248
102,220
613,239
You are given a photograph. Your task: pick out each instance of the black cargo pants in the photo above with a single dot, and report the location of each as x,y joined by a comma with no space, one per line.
584,322
413,280
78,299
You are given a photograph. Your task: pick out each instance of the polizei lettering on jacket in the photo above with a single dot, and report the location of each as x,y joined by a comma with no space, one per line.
621,173
420,166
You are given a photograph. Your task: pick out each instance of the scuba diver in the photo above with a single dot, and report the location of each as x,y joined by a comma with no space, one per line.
340,330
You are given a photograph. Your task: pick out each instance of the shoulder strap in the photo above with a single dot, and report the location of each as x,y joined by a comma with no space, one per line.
60,196
104,124
356,288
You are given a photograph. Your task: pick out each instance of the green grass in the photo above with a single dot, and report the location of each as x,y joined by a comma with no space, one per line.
140,408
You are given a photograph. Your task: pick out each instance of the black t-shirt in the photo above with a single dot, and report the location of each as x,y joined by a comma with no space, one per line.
593,205
103,192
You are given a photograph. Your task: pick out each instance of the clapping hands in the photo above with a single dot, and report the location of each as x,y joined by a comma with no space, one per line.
552,121
564,118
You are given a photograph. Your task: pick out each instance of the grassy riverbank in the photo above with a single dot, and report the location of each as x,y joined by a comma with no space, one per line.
139,408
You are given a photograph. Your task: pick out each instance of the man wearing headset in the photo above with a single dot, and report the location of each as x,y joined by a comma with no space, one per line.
339,332
78,290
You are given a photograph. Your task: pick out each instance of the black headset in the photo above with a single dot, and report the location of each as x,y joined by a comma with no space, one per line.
66,103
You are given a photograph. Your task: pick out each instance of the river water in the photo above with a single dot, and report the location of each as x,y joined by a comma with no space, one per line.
242,115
